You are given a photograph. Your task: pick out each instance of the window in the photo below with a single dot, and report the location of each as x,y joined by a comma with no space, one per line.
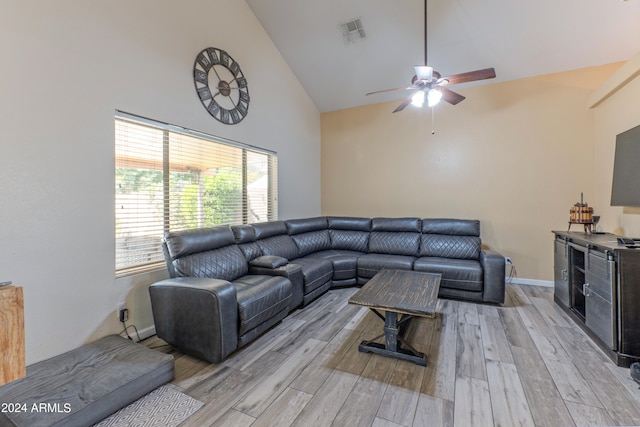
170,178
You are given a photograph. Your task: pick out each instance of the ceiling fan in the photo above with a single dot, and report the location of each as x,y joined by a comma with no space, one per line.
428,83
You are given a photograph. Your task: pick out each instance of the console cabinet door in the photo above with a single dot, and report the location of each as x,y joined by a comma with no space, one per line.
561,272
599,292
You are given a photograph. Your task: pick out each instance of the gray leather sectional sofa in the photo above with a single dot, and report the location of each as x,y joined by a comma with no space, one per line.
230,284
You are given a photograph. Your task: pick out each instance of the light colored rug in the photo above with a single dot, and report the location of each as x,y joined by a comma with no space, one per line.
163,407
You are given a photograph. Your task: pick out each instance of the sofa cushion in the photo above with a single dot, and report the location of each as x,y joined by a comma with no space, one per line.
243,233
450,238
269,261
394,243
462,274
461,247
395,236
396,224
309,234
316,272
281,245
186,242
349,223
305,225
453,227
345,263
245,237
349,240
370,264
260,298
312,241
225,263
263,230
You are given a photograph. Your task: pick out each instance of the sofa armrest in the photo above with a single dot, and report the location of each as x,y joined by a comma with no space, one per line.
199,316
293,272
493,268
269,261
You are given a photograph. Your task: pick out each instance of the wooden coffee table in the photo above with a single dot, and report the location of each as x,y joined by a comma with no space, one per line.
401,295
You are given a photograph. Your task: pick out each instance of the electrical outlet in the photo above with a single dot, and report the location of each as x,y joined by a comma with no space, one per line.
122,309
507,260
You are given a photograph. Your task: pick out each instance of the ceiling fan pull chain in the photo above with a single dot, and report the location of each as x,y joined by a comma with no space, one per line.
433,120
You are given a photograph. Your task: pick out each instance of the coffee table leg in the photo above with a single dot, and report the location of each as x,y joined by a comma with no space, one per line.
392,347
391,330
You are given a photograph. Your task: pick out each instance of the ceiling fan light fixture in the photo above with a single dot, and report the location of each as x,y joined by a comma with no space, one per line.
433,97
424,72
429,84
418,99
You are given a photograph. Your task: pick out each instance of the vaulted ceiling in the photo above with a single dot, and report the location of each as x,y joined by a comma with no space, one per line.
520,39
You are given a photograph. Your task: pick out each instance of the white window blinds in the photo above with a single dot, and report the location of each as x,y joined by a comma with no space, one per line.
170,178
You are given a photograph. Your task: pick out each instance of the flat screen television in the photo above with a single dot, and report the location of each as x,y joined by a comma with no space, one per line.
625,190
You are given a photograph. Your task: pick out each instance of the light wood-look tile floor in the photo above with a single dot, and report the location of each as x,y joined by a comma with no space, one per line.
524,363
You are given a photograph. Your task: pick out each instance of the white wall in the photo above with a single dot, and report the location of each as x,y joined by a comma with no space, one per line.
66,67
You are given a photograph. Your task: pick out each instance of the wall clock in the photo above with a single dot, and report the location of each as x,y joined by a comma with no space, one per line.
221,86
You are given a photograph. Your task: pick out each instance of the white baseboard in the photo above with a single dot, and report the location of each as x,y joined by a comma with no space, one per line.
532,282
143,333
147,332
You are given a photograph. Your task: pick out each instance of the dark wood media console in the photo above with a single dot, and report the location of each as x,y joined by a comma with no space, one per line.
597,281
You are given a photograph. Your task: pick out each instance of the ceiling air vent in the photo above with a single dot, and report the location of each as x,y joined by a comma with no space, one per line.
352,31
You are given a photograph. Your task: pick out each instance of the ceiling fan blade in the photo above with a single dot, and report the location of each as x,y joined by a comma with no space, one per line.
471,76
404,104
390,90
450,96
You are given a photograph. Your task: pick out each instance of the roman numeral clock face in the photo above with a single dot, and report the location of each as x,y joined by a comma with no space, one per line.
221,86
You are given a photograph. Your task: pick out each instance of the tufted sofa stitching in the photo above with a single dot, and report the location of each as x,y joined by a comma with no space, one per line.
281,245
226,263
396,243
349,240
459,247
312,241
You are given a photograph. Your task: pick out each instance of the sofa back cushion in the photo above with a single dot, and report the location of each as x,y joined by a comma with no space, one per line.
262,230
310,234
186,242
226,263
305,225
397,236
349,233
205,252
273,239
450,238
282,246
246,240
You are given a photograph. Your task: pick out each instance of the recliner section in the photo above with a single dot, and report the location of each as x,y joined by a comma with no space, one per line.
230,284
